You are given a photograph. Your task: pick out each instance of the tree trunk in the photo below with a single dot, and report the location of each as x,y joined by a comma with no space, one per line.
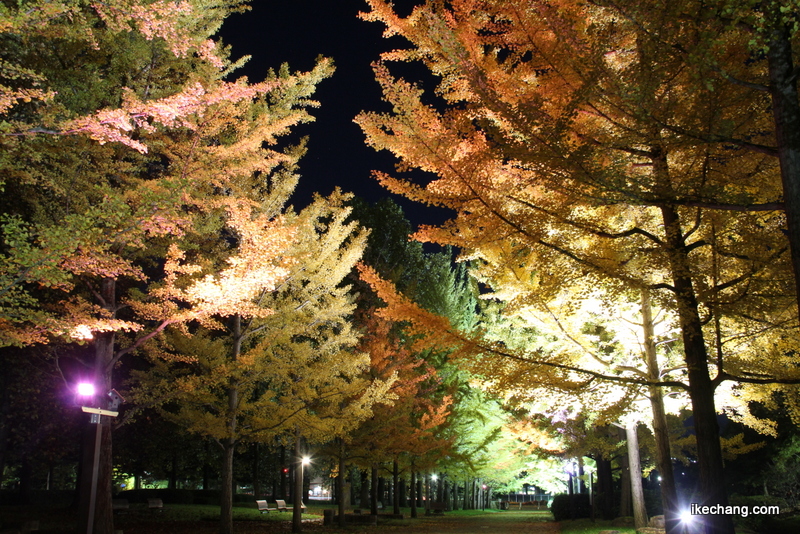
426,482
625,500
340,483
284,492
413,492
256,469
605,488
635,470
786,116
373,493
206,467
229,443
297,503
103,520
396,485
669,493
226,491
173,471
701,388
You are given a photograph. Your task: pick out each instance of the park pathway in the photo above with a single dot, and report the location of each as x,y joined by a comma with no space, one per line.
509,522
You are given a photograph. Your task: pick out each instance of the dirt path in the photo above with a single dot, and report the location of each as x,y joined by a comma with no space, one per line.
509,522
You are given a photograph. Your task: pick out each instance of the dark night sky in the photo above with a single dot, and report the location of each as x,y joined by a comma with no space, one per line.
296,32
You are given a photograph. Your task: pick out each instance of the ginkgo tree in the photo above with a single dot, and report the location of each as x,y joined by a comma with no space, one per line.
138,179
547,137
283,366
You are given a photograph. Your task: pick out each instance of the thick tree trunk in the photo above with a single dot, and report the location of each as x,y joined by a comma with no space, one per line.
786,115
605,488
635,470
669,493
402,492
711,490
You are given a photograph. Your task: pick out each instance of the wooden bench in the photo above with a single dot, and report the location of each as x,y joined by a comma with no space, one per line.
155,505
537,504
264,507
358,511
283,508
437,507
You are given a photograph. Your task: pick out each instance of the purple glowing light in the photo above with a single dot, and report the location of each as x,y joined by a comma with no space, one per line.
86,389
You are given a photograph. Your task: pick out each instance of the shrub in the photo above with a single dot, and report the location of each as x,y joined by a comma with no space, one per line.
206,497
563,509
758,523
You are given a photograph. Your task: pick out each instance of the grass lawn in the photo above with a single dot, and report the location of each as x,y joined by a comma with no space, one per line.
587,526
58,519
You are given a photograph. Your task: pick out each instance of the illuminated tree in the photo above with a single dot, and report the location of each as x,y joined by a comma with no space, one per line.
547,139
183,29
285,368
149,213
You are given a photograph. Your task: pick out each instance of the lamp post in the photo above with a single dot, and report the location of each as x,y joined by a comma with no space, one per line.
87,396
297,510
485,496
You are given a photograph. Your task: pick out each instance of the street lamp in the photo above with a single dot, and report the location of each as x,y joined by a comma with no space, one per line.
86,396
297,509
304,461
85,389
484,497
